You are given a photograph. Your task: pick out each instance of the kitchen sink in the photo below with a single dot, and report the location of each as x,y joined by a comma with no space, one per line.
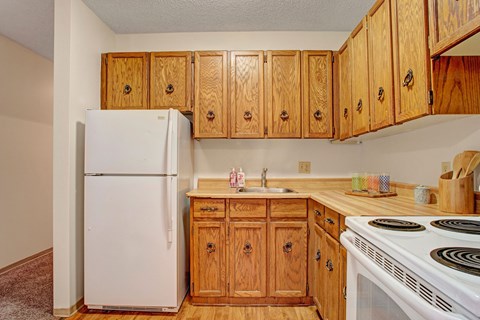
264,190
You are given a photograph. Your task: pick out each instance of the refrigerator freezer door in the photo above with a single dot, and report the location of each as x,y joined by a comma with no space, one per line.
131,142
128,258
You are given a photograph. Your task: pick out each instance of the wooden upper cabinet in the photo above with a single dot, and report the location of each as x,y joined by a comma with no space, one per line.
125,78
317,94
411,59
380,65
283,94
171,80
248,259
345,91
211,96
247,94
451,22
360,90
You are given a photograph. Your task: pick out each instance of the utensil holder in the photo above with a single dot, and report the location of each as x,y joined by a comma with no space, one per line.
456,195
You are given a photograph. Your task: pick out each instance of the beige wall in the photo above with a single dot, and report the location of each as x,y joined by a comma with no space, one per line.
26,109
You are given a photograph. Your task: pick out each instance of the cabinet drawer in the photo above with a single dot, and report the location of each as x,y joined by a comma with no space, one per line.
209,208
288,208
318,211
248,208
332,222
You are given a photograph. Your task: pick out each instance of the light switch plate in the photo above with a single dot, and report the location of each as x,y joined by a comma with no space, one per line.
304,166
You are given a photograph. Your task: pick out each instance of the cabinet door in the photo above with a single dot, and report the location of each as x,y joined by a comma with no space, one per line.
342,306
452,21
126,78
248,259
332,249
288,259
319,271
171,80
209,258
246,94
380,65
317,94
411,59
360,96
283,94
345,91
211,97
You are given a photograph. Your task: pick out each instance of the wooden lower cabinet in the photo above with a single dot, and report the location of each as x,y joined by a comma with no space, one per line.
319,271
332,281
342,299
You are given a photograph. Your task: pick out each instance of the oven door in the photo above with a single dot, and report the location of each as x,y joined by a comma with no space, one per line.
372,293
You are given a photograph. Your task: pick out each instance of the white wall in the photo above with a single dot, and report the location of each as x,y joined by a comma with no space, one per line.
26,109
80,38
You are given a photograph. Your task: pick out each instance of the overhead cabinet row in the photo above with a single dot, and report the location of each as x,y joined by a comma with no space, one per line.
238,94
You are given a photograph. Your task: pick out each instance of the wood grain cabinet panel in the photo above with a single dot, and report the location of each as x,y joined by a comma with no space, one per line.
345,91
360,90
411,59
246,94
288,259
248,259
380,66
171,80
248,208
209,255
319,271
283,97
288,208
332,283
208,208
317,94
451,22
211,96
126,79
332,223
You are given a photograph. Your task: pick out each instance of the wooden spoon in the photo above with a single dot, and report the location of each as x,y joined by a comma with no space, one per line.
467,157
457,165
474,162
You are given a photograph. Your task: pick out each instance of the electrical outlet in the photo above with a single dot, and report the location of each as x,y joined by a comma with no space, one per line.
445,166
304,166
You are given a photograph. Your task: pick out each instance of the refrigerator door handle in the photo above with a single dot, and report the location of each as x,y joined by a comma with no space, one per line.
169,141
169,210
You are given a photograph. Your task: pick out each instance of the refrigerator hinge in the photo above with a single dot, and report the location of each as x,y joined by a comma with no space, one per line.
93,174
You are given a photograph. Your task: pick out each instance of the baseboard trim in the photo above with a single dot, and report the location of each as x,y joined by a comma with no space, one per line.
67,312
25,260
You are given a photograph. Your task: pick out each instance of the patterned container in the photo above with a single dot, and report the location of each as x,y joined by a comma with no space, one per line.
364,181
384,181
422,195
373,183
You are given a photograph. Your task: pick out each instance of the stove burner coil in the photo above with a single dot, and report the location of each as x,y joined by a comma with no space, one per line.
463,259
395,224
458,225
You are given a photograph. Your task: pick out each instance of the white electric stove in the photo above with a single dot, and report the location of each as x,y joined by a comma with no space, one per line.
413,267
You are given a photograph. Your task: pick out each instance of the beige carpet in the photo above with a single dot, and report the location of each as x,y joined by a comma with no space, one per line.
26,292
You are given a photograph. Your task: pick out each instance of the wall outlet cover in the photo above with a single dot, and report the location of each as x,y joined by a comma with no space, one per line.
446,166
304,166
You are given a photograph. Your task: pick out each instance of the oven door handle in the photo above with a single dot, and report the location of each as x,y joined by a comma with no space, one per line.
417,303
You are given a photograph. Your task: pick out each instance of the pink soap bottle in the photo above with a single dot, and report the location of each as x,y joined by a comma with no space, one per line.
233,178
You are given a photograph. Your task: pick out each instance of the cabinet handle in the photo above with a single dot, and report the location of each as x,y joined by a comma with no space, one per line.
247,115
318,213
329,220
127,89
211,247
329,265
318,256
169,89
408,78
380,94
345,113
247,248
359,105
318,115
210,115
209,209
287,247
284,115
344,293
342,230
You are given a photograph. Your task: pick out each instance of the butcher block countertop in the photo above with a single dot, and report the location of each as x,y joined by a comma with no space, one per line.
332,195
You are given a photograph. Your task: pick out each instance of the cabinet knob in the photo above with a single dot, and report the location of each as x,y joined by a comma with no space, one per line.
211,247
210,115
380,94
209,209
345,113
318,213
284,115
247,248
127,89
169,89
287,247
329,265
359,105
329,221
318,115
247,115
408,78
318,256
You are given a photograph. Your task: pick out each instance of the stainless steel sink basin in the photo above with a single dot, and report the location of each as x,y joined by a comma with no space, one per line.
264,190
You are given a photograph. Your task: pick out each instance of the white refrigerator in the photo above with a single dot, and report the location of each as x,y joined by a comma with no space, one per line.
138,167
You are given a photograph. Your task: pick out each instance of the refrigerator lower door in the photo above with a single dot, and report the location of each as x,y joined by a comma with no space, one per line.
129,260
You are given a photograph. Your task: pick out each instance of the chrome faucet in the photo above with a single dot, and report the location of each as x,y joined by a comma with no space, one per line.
264,177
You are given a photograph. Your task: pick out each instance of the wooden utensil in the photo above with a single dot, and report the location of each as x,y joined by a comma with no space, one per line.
474,162
461,161
457,165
